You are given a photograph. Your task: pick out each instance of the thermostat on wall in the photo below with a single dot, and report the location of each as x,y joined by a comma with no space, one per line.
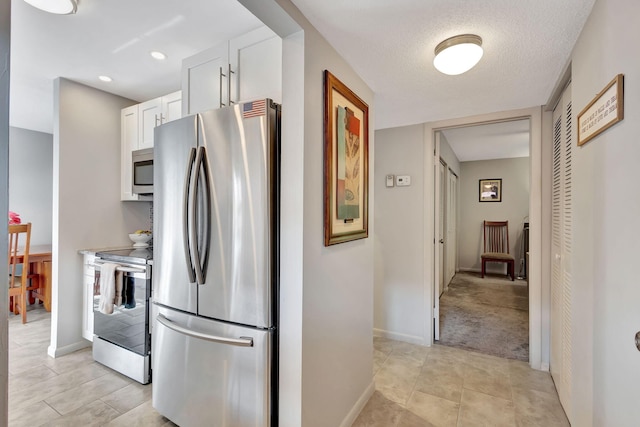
403,180
390,180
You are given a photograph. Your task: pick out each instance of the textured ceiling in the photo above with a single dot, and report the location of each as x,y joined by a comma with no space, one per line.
390,44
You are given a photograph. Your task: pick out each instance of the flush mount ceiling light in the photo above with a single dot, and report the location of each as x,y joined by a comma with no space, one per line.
458,54
158,55
59,7
106,79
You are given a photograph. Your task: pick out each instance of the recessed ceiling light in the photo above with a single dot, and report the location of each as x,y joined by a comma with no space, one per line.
59,7
158,55
105,78
458,54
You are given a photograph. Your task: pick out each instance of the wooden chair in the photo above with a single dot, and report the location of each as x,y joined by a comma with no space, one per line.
496,246
20,280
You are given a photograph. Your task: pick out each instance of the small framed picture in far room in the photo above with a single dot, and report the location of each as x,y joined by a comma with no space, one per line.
490,190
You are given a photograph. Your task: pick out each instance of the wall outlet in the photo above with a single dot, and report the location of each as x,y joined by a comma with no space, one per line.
403,180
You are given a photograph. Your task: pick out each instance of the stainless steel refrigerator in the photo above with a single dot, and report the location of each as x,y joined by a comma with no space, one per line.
215,278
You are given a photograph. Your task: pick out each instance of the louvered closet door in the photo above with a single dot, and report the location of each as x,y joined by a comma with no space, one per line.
561,241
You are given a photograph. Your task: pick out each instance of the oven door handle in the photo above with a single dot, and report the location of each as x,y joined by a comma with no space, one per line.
240,342
125,269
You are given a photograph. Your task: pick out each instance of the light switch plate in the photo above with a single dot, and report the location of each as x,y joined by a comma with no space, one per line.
390,179
403,180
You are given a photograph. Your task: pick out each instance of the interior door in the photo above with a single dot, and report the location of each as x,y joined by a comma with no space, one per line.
437,256
441,227
561,242
451,224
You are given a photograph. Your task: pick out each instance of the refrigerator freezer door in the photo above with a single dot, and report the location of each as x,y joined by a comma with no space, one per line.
174,155
241,154
208,373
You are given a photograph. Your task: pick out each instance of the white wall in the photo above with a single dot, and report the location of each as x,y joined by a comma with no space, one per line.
606,295
337,357
513,208
326,312
30,180
399,250
87,212
5,43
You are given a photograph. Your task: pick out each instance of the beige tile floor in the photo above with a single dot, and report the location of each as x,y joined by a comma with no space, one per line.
72,390
415,387
443,386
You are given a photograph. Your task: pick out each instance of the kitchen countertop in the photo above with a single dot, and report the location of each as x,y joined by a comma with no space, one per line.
92,251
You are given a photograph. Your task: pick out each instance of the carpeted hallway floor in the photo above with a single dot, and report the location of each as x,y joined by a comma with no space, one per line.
489,315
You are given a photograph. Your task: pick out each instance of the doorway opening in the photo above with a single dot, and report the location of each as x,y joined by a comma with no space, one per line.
491,314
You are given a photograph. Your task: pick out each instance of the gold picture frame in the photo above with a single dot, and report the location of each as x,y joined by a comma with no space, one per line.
346,163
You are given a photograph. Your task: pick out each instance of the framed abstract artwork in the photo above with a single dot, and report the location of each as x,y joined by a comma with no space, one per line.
346,163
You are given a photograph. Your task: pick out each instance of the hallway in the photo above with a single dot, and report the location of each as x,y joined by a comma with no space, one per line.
488,315
442,386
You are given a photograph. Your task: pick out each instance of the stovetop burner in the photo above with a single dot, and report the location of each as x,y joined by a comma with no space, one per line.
131,255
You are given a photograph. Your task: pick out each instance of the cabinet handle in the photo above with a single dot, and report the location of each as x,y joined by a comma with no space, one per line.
220,80
229,86
158,120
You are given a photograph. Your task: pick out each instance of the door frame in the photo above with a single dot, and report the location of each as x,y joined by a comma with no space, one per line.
538,327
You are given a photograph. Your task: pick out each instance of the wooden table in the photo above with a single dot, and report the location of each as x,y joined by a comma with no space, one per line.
40,263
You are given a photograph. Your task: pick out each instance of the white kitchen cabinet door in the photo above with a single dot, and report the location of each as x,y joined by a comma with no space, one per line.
88,280
128,143
171,106
203,85
256,59
149,116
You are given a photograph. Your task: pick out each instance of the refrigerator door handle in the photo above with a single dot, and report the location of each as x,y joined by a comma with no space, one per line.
195,244
203,258
239,342
186,224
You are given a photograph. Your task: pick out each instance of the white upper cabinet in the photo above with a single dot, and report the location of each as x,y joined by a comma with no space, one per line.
242,69
203,85
137,126
149,114
128,143
256,58
171,106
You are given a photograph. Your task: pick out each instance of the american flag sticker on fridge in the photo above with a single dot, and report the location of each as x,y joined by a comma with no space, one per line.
254,109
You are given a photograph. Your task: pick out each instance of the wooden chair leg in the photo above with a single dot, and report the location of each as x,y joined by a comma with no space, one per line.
23,306
483,267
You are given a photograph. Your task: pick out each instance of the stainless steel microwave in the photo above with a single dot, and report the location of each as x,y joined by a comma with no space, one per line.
142,171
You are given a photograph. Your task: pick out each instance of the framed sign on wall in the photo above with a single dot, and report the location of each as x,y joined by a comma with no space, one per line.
604,111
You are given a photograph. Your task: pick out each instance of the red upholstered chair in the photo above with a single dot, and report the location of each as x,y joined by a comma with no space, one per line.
496,246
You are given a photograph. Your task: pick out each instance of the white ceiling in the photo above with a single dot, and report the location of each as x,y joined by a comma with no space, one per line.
113,38
390,44
490,141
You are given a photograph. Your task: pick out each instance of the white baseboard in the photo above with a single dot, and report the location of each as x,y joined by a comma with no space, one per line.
412,339
359,406
544,367
61,351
